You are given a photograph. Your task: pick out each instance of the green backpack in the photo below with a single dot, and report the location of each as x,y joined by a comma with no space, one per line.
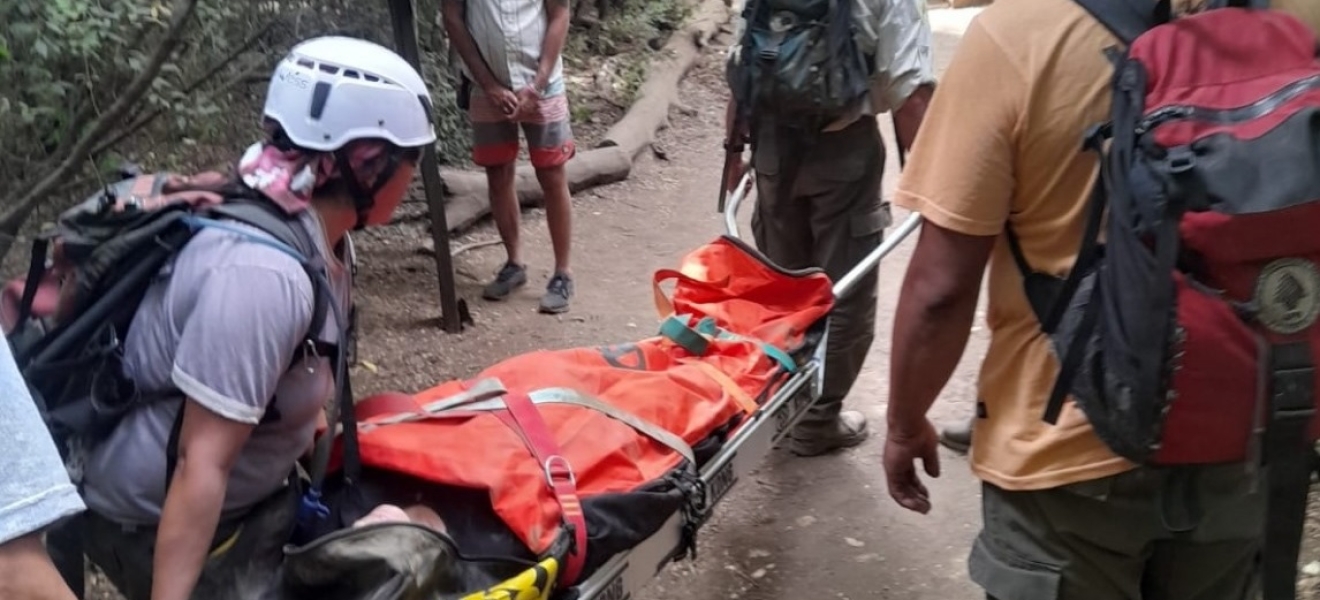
798,62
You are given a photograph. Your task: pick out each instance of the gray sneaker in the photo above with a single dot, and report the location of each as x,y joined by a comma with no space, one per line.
557,294
510,277
844,432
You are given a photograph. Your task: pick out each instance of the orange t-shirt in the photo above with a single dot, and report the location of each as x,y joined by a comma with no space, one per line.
1001,143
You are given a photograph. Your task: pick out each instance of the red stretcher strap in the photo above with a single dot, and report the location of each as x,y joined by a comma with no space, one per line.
559,476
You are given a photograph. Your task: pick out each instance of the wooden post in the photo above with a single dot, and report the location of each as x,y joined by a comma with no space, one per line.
403,18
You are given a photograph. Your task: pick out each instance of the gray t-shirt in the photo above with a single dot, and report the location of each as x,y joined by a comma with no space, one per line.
35,490
222,325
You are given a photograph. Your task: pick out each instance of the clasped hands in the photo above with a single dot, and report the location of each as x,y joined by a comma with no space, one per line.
516,106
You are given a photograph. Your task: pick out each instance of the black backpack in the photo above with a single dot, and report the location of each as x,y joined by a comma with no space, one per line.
68,319
798,62
93,268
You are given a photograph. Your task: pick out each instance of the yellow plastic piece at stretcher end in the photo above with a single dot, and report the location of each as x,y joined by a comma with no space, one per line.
536,583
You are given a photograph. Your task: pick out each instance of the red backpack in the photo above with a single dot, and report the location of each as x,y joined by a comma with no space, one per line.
1188,335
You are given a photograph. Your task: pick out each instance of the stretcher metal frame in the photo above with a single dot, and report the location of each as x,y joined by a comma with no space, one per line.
624,575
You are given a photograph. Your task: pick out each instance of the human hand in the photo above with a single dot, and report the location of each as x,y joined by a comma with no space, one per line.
503,98
528,101
902,449
736,171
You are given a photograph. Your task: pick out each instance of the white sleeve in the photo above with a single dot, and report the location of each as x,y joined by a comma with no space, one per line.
903,60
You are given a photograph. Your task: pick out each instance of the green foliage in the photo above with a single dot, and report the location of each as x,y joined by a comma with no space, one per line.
64,62
626,29
630,34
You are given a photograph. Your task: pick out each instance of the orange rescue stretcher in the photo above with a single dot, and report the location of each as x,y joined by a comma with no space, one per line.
597,466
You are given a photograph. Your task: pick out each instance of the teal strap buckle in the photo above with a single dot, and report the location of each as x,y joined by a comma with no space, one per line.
696,340
676,329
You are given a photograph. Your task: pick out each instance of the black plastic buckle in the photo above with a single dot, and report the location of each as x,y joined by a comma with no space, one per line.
1293,394
1181,162
1095,136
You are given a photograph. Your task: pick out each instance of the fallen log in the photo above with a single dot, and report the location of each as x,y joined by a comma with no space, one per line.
649,115
466,198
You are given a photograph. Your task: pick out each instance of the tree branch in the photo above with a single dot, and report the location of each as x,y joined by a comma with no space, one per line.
20,208
215,69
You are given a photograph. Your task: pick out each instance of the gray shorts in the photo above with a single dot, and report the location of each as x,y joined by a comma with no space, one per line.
1111,539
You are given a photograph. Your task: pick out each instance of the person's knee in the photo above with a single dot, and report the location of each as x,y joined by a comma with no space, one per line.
501,171
501,177
27,572
551,177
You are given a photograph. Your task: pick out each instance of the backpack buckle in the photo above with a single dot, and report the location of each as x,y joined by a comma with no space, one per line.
313,354
1181,161
1293,393
1096,135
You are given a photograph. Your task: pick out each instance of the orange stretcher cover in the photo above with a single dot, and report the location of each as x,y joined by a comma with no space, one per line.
655,379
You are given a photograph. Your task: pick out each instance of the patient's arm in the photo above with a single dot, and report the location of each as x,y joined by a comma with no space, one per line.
415,513
423,515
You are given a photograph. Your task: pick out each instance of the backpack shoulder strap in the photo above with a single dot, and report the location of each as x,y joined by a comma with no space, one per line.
257,214
1128,19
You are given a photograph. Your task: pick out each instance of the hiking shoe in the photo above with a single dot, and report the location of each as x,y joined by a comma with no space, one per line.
557,293
510,277
846,431
957,437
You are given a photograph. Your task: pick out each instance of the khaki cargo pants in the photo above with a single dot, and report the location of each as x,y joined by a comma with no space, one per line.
1134,536
818,204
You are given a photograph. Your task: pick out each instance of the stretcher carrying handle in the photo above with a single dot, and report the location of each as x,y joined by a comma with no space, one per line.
846,283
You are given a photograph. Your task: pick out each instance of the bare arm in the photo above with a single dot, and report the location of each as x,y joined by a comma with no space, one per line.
461,38
208,447
931,325
557,18
907,119
734,131
904,78
27,573
933,319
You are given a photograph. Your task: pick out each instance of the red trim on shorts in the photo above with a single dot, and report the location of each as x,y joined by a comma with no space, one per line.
494,155
544,158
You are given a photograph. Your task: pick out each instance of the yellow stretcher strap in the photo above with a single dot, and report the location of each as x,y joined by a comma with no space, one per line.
536,583
226,545
739,395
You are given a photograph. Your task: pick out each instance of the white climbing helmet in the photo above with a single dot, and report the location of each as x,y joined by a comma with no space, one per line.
329,91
